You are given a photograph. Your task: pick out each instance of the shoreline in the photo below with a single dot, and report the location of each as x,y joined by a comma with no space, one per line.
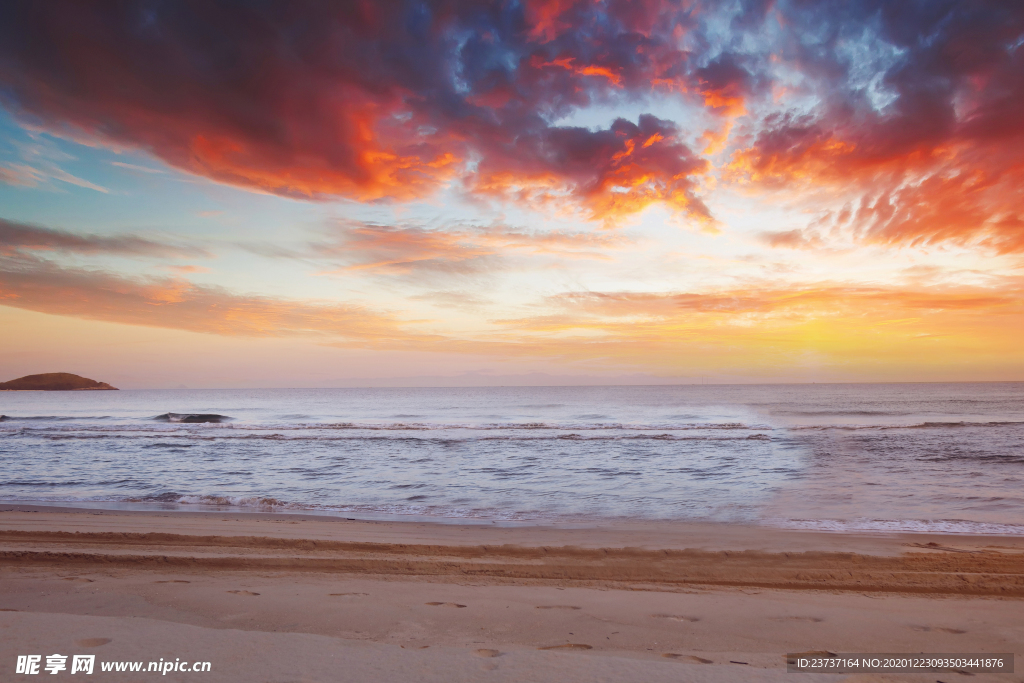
696,547
857,527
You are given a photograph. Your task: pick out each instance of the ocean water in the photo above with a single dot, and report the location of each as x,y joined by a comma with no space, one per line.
883,457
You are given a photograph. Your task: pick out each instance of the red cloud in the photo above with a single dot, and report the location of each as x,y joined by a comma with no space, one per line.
615,172
369,101
940,161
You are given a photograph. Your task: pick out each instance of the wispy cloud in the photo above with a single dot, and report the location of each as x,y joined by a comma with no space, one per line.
410,248
766,330
25,175
405,248
135,167
187,269
15,174
792,239
33,238
43,286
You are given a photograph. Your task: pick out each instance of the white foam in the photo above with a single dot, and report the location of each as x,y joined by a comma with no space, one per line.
916,526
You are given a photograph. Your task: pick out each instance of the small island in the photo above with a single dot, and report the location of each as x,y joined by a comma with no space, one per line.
55,381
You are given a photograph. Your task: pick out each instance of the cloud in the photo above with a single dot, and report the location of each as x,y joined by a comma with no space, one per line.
792,239
64,176
773,330
916,124
726,85
187,269
891,108
769,330
24,175
413,248
19,237
613,172
826,299
458,300
18,175
135,167
384,101
173,303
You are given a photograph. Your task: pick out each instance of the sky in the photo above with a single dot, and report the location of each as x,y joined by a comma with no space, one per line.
388,193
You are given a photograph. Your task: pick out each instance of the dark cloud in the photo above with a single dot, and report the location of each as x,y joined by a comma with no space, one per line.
919,119
367,100
612,172
391,100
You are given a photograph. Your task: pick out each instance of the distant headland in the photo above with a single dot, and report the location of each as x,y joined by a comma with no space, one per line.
55,381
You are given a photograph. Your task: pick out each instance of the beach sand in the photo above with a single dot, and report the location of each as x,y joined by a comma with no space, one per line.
286,598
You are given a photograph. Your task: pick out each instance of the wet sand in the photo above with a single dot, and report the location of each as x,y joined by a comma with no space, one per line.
272,597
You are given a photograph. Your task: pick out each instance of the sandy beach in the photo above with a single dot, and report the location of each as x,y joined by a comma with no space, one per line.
282,597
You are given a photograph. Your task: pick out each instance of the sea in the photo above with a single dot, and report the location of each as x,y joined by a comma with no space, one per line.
841,457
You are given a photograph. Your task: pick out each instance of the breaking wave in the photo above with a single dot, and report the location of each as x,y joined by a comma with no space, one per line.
192,418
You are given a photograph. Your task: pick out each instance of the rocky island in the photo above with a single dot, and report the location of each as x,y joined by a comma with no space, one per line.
55,381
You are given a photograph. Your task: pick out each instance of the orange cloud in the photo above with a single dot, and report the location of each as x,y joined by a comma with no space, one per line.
612,173
188,269
178,304
931,157
377,169
827,300
852,329
370,101
588,70
760,330
405,249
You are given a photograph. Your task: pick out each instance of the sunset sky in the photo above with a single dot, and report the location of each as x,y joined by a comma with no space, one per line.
305,194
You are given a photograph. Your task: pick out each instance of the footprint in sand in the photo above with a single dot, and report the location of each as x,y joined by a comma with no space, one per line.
92,642
172,581
484,652
676,617
568,646
77,578
558,607
942,629
444,604
243,592
347,595
692,658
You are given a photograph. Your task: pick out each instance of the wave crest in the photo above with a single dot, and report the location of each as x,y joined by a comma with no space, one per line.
192,418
